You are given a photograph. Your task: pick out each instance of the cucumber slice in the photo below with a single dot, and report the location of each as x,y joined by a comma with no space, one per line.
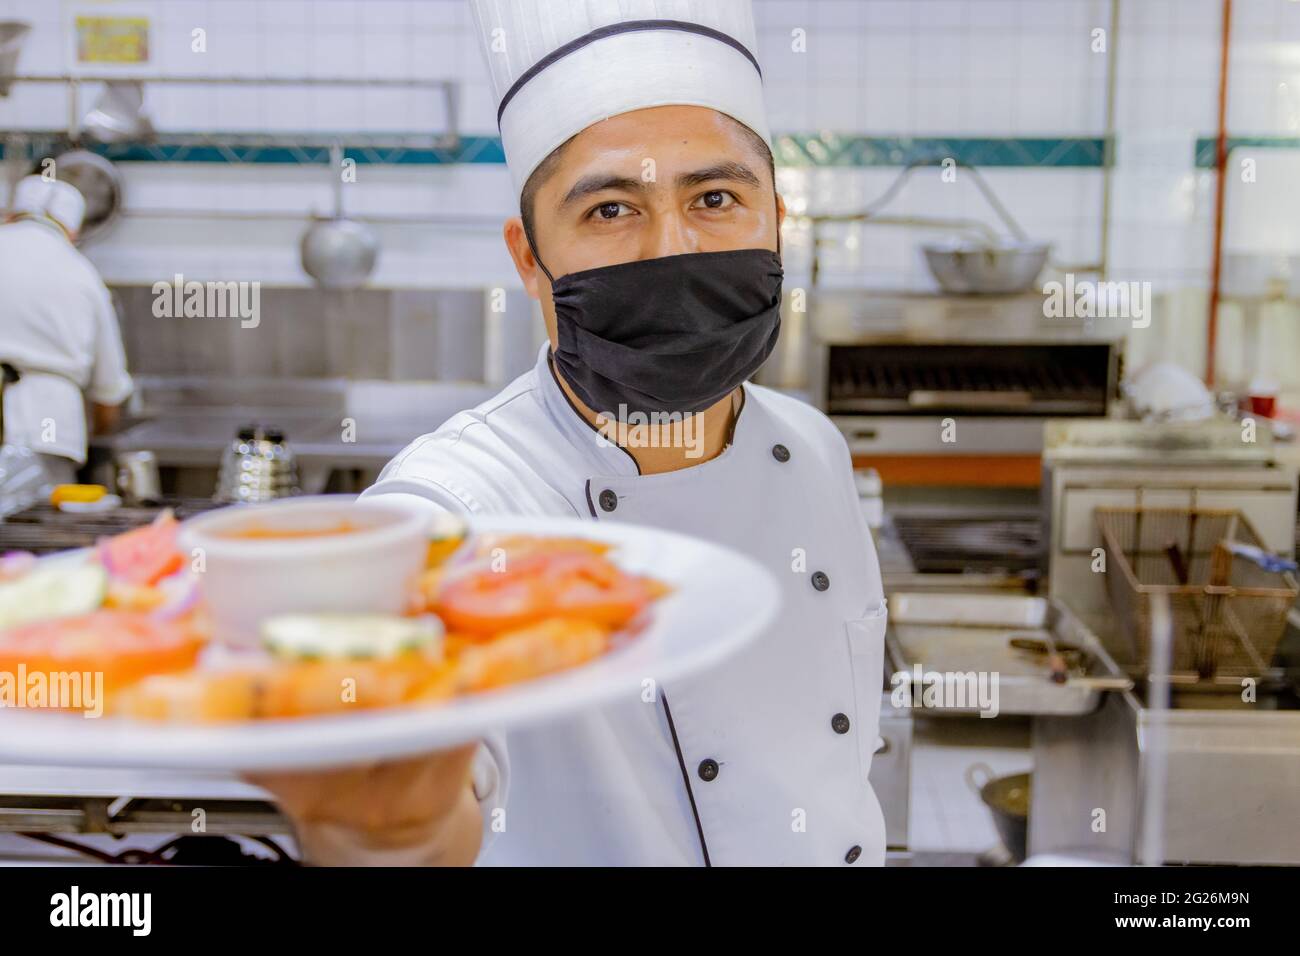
56,590
348,636
445,526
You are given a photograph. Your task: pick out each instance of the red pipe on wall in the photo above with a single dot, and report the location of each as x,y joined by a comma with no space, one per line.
1221,165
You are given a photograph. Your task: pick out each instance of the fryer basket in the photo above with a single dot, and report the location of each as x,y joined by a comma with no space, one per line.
1226,630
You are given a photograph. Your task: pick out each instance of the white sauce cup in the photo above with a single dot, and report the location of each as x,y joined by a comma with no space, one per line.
244,580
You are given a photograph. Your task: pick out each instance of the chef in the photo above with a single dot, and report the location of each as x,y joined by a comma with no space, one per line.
649,231
58,329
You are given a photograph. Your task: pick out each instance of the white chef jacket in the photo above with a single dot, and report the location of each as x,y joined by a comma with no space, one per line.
762,760
59,329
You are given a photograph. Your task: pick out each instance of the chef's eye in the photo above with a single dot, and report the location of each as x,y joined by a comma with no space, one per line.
717,199
609,210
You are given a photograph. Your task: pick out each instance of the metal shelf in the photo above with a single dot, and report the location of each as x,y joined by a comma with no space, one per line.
256,147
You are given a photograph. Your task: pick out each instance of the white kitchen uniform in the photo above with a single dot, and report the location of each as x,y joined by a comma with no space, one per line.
59,329
763,760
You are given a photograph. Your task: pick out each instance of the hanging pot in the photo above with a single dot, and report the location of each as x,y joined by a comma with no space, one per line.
98,182
12,35
337,252
118,115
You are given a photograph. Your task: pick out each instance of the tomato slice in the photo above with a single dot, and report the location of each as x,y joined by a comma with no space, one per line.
596,591
123,645
146,555
571,584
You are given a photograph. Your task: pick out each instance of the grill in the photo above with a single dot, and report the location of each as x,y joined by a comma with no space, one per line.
43,529
1003,543
1024,380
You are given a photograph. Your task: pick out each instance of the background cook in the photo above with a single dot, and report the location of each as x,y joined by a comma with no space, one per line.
58,328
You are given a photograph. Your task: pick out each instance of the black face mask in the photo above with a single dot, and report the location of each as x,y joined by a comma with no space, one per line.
674,334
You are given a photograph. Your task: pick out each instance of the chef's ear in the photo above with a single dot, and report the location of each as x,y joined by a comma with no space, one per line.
522,254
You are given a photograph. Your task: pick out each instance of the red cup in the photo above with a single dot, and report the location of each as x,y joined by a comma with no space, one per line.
1263,405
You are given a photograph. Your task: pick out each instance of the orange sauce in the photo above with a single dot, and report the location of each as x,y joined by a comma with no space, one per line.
261,532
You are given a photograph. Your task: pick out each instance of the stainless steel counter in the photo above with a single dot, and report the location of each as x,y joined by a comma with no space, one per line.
327,424
1232,791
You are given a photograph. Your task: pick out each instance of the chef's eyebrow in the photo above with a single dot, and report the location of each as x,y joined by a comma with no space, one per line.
597,183
729,171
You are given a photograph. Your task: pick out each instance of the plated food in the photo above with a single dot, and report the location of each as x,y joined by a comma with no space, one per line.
196,717
308,637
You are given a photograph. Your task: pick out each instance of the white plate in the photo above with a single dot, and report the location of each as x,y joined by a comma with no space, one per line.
721,601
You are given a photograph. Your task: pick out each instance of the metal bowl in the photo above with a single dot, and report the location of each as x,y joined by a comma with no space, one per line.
966,267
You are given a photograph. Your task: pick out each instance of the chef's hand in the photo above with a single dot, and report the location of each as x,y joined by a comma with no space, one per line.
419,811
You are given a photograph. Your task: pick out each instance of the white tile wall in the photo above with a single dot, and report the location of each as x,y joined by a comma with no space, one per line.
879,67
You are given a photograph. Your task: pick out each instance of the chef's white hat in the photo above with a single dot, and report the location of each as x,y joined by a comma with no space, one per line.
60,201
560,65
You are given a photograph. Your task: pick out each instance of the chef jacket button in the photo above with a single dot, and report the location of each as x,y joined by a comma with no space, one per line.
840,724
708,769
820,580
608,500
853,854
781,453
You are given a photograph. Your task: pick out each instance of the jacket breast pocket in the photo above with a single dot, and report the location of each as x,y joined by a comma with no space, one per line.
866,639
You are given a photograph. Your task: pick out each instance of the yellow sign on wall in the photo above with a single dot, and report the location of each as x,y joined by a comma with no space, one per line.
112,39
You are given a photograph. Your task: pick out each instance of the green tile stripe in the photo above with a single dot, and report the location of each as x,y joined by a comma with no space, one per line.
1048,152
790,150
1206,146
307,151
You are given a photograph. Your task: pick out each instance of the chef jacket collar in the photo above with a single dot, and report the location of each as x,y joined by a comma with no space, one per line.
605,457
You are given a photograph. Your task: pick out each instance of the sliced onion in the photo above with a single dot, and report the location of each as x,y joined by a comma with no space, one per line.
182,594
14,564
